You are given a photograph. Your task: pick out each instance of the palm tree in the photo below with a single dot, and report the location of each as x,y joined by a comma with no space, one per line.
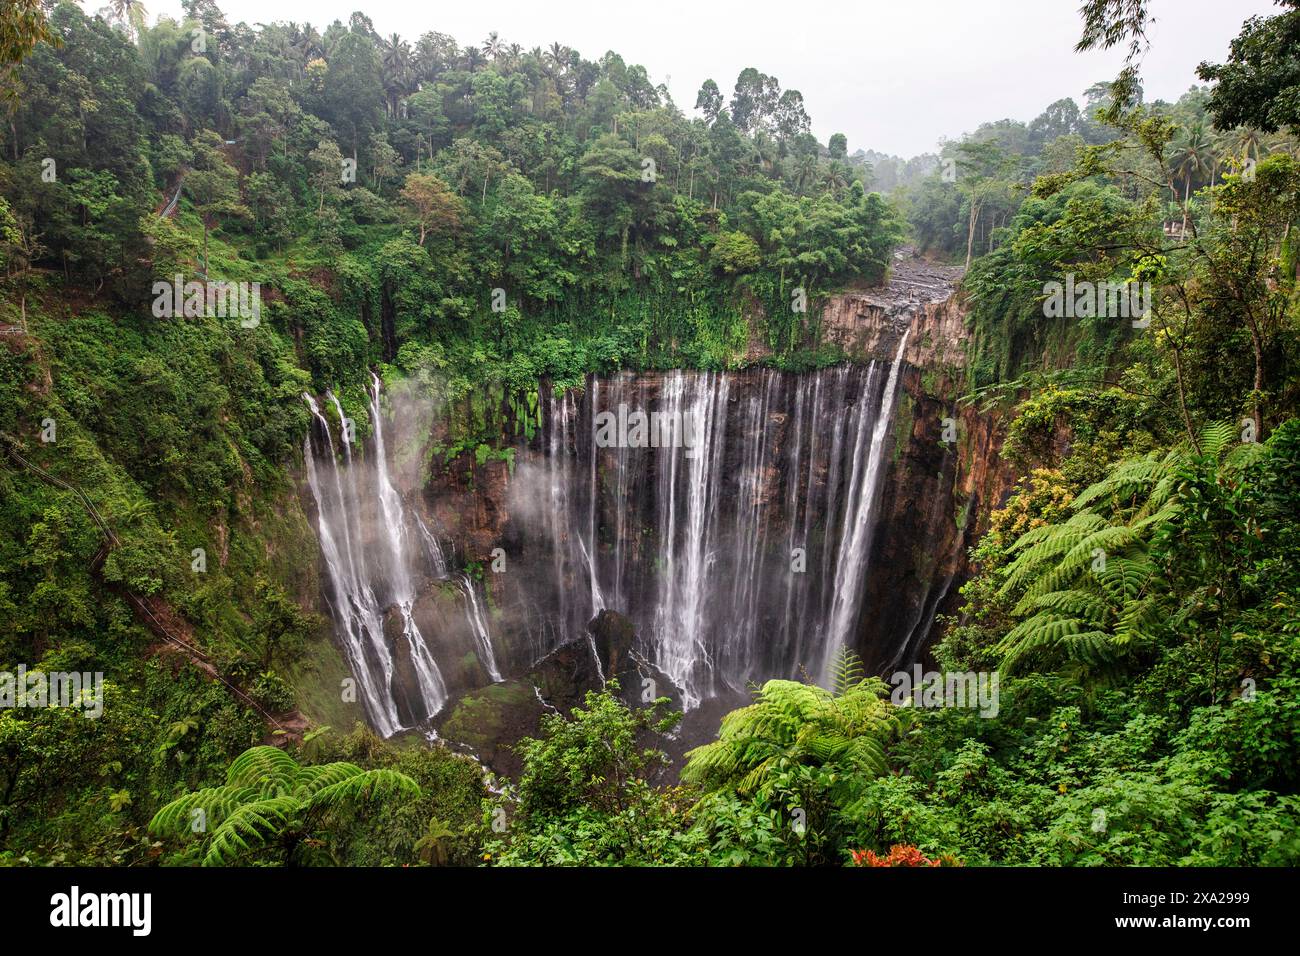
492,46
835,178
805,172
557,54
766,148
306,41
130,14
395,64
1193,158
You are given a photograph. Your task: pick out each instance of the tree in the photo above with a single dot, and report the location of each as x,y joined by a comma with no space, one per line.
1193,159
709,101
213,185
791,118
792,724
353,91
280,625
271,808
384,160
1109,23
268,114
610,173
735,252
754,100
838,146
433,206
396,63
327,170
1259,86
130,14
587,793
20,246
22,27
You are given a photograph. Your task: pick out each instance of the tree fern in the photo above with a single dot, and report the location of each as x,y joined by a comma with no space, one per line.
1087,588
270,802
791,724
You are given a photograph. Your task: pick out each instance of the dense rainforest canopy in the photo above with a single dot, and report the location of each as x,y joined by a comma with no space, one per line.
484,217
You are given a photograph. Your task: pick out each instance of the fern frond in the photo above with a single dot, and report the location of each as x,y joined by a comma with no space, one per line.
1216,437
269,769
1086,605
316,778
177,818
370,786
847,671
1126,481
253,826
1124,578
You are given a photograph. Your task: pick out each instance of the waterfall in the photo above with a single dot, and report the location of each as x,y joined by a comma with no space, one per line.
735,533
851,569
739,556
688,540
378,558
478,625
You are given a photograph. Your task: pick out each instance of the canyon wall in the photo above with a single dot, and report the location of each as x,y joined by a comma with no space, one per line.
941,474
757,522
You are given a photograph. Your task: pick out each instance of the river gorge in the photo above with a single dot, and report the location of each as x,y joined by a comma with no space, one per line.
783,516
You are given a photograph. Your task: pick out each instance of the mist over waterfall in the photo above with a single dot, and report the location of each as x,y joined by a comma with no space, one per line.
378,558
737,537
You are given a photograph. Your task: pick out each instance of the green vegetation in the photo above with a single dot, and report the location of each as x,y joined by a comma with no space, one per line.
474,220
271,805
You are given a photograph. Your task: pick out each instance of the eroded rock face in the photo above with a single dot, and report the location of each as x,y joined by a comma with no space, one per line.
942,474
920,297
933,508
405,685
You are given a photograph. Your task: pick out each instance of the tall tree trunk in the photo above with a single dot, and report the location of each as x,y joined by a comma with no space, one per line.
1187,191
970,231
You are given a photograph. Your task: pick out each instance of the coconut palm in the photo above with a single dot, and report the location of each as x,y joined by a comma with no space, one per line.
805,172
1193,159
557,55
395,64
835,177
306,41
129,14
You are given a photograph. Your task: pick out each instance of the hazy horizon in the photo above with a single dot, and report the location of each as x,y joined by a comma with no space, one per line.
874,78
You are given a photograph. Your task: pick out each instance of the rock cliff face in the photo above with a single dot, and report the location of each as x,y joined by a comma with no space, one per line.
688,533
584,528
919,296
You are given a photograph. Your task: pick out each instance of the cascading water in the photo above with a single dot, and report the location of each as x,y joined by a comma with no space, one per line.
739,556
736,534
375,576
851,568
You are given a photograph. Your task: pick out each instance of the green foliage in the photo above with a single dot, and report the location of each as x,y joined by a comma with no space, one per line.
520,216
791,725
272,808
587,795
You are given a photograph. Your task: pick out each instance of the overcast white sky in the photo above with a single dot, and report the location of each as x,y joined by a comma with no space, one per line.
893,75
